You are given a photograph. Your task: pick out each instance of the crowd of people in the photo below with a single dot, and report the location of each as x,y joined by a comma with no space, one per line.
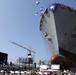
2,72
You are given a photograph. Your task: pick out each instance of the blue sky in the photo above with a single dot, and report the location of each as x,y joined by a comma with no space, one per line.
19,23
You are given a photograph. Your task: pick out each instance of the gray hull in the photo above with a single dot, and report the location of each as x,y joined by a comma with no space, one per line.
59,30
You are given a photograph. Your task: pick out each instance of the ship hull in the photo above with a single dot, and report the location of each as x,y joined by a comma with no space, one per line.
59,30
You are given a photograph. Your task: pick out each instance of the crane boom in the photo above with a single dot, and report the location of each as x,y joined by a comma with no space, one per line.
22,46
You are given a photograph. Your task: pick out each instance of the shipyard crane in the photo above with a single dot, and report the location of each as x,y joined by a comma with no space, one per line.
30,59
23,47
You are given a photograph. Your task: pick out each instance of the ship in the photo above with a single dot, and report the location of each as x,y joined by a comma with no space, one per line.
58,26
